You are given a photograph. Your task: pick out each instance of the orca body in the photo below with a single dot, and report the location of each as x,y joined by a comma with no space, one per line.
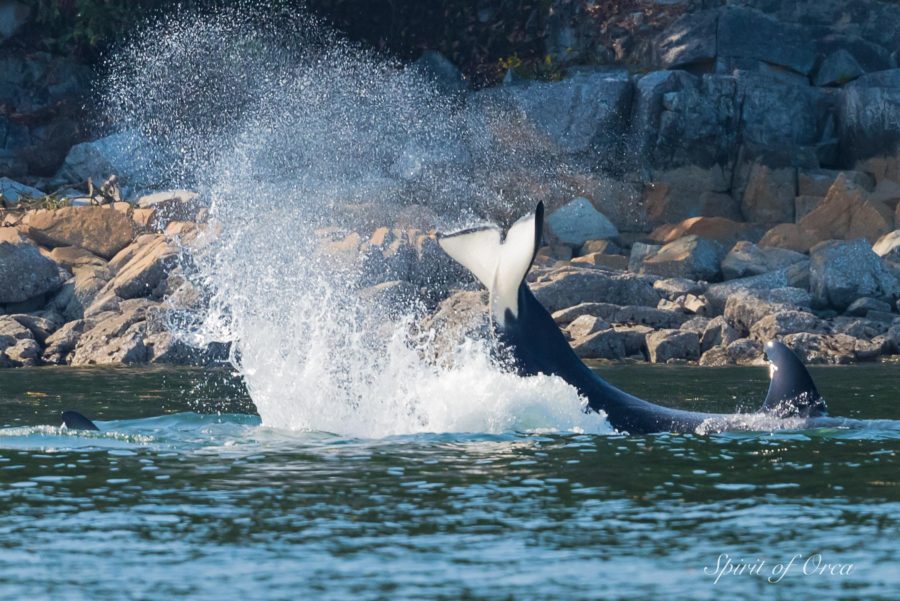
539,347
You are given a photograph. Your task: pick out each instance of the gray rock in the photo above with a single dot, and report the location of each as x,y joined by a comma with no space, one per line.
571,286
841,272
576,115
892,341
838,68
112,337
585,325
634,338
864,329
697,324
128,155
142,267
666,345
870,115
672,288
746,307
639,252
40,324
648,316
690,40
746,259
566,316
578,221
690,257
831,348
62,343
13,15
680,119
605,344
24,272
861,307
746,352
718,332
12,191
745,33
795,276
787,134
24,353
775,325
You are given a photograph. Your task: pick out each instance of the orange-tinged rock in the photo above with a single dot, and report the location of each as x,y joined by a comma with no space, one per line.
98,230
719,229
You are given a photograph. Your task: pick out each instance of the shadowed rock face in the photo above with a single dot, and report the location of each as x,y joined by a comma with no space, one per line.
24,272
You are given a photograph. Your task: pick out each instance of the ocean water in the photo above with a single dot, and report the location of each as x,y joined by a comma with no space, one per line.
185,494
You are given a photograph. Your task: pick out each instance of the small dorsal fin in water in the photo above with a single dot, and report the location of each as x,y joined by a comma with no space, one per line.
75,421
792,392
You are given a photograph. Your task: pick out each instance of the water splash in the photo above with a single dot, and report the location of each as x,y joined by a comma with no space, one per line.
287,130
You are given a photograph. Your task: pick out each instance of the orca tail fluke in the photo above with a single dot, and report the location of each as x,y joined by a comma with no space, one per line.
75,421
500,264
792,392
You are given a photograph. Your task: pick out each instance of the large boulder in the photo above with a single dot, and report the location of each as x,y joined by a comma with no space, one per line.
748,34
11,192
681,119
841,272
102,231
666,345
572,285
142,267
781,323
689,40
690,257
746,259
578,221
600,344
870,116
112,338
795,277
838,68
128,155
580,114
814,348
24,272
747,307
13,16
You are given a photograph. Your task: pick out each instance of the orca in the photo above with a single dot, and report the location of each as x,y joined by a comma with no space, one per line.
525,327
73,420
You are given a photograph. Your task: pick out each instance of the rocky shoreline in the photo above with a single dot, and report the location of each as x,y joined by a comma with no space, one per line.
733,176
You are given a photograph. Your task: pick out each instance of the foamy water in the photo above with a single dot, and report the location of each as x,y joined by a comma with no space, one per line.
285,130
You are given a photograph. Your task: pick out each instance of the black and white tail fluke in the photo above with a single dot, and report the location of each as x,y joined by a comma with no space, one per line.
792,392
73,420
499,262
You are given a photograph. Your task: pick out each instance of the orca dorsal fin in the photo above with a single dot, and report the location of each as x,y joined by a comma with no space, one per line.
75,421
792,392
500,265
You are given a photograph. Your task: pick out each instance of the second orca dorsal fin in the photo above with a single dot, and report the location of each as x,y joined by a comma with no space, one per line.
792,392
75,421
500,265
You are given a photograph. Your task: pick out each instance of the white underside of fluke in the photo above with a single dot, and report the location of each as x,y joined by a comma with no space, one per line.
499,265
